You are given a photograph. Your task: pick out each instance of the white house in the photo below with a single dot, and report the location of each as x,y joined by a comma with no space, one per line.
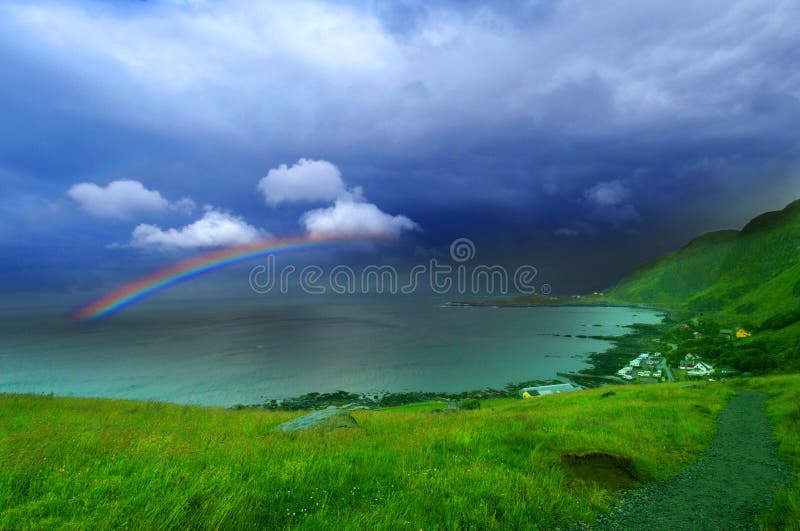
543,390
701,368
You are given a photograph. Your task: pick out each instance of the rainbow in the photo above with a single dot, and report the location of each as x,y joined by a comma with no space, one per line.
199,265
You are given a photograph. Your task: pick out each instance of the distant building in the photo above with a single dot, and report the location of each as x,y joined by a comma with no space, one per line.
653,362
701,369
689,362
742,333
544,390
625,373
726,332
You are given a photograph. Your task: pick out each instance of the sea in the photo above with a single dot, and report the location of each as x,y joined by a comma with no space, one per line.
221,353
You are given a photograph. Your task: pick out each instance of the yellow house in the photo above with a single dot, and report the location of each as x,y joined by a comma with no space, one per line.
741,333
526,394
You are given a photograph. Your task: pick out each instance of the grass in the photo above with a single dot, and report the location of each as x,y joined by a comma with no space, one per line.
69,462
783,409
418,407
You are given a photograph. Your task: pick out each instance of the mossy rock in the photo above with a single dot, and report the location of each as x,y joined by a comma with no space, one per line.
327,419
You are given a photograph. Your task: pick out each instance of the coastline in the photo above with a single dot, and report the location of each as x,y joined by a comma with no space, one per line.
603,365
602,369
552,302
589,359
310,401
641,338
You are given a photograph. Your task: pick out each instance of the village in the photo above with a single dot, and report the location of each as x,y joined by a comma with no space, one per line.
683,363
646,368
652,367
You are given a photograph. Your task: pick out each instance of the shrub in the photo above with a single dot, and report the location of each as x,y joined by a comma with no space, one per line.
746,309
781,320
470,403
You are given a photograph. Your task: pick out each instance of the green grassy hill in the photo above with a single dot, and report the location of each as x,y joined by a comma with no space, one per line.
93,463
753,273
748,278
68,462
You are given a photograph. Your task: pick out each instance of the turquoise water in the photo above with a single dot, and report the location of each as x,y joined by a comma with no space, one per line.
246,352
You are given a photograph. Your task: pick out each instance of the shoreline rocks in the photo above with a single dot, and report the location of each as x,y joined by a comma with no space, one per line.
350,401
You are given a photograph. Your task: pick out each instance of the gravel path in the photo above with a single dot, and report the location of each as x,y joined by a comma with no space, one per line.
726,489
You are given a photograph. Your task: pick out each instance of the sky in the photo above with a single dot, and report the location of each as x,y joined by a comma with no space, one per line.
584,138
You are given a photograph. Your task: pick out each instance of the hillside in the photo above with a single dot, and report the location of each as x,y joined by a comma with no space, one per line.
748,279
93,463
513,463
753,274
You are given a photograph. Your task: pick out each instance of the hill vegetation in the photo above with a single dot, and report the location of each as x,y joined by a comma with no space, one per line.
68,462
733,279
751,274
513,463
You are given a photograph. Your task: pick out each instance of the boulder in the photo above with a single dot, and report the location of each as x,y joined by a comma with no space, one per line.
330,418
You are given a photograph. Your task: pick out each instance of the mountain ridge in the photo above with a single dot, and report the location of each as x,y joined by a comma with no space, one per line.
721,270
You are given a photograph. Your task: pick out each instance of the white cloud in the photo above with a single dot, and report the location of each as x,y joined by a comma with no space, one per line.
184,206
214,229
355,218
197,66
307,181
320,180
119,199
607,193
286,73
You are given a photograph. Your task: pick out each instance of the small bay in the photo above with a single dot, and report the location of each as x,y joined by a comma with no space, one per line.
223,353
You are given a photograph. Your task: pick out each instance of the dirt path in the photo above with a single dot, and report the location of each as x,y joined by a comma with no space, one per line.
726,489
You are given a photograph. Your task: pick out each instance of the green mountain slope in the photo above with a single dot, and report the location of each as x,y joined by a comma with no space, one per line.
748,278
752,274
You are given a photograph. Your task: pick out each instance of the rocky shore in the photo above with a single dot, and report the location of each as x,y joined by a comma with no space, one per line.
311,401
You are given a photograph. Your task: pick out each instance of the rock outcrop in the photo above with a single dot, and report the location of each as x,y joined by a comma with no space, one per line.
330,418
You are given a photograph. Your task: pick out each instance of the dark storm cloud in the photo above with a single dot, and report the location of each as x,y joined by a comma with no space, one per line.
500,120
